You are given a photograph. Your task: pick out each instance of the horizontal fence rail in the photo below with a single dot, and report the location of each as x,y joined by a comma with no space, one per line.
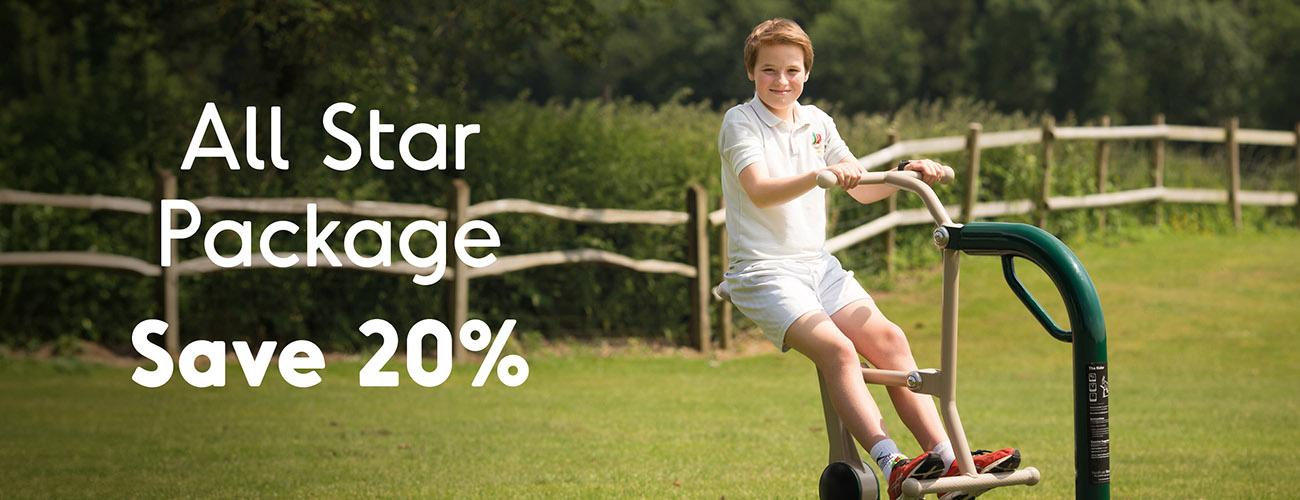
323,205
696,217
201,265
1025,137
513,263
917,216
81,259
1011,138
589,215
82,201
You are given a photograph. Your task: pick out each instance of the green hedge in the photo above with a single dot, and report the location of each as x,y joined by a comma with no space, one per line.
583,154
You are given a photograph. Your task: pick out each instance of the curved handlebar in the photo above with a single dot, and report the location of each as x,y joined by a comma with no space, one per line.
1054,258
826,179
908,180
1026,298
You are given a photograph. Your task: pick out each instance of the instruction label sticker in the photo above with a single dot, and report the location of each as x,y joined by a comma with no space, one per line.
1098,423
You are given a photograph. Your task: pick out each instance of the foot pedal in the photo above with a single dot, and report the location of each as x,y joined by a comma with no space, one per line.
977,484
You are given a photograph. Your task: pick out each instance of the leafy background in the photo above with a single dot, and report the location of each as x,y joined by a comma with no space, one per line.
588,104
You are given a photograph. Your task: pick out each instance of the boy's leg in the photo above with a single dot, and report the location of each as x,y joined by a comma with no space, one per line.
816,336
885,346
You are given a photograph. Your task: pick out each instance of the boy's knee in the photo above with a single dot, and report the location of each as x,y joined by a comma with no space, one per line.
894,336
890,343
837,351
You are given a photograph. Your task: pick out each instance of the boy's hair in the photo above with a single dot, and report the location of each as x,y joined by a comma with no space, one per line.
777,31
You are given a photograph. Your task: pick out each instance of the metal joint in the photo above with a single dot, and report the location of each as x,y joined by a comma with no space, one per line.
926,381
941,237
913,381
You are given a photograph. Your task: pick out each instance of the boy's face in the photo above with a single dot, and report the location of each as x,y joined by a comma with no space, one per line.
779,76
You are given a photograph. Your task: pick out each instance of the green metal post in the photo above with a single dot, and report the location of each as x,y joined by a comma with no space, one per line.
1087,333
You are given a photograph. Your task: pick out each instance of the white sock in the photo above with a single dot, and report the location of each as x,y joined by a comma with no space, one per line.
884,453
944,451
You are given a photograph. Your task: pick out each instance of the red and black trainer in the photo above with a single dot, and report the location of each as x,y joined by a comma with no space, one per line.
986,462
992,462
924,466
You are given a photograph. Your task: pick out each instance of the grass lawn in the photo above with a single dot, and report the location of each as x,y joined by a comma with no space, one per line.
1205,403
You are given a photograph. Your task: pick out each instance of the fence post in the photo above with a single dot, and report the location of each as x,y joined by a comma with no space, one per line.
724,306
890,205
972,172
458,299
1158,167
1297,174
1103,157
697,255
1049,136
168,279
1234,171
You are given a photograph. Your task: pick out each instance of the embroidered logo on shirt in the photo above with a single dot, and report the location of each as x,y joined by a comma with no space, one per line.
819,143
817,138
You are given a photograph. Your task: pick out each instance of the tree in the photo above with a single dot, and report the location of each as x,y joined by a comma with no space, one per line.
1010,61
946,28
1193,62
1275,28
1093,77
867,57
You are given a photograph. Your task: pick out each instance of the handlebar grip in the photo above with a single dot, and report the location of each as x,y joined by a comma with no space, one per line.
825,179
948,175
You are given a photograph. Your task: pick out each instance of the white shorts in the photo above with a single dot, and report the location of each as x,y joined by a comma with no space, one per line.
775,293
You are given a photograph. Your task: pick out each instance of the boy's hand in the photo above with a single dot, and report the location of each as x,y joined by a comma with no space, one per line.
847,174
931,171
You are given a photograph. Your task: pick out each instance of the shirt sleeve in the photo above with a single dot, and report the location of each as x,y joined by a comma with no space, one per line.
739,142
836,150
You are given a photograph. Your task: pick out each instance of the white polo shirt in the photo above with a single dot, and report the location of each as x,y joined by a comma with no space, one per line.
751,134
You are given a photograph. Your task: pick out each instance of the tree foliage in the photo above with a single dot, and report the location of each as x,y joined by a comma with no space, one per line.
869,57
97,96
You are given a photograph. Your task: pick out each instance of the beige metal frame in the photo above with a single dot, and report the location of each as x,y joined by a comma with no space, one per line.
941,383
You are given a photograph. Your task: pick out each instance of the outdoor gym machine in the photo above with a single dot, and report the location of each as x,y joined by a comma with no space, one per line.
848,477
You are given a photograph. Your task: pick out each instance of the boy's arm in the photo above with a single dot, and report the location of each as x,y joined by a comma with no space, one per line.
741,146
930,170
767,192
871,193
838,151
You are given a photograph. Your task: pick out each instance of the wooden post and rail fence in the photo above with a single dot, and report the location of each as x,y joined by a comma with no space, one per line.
697,219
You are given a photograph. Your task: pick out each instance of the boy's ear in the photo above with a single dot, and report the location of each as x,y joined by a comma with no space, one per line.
749,73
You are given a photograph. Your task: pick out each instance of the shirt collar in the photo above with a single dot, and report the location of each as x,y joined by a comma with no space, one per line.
772,120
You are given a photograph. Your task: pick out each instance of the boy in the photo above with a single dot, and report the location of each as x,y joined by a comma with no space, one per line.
780,274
